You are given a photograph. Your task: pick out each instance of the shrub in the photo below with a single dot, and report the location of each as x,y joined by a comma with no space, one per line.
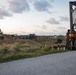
59,40
17,48
45,49
4,49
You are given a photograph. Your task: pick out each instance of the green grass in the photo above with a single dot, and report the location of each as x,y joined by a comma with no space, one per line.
18,51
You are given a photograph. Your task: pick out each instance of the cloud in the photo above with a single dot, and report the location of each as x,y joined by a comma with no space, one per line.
40,32
36,26
61,27
18,6
44,27
42,5
52,0
64,18
58,32
52,32
53,21
4,12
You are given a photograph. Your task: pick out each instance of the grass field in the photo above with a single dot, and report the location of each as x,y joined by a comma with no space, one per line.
19,49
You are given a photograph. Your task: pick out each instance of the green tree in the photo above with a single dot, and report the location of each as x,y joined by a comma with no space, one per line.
32,36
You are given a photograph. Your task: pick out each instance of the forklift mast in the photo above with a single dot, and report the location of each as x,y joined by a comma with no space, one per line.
72,6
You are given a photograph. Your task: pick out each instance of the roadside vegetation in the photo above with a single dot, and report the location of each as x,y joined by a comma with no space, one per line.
18,49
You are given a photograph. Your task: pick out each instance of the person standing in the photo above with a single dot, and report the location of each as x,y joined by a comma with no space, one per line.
67,39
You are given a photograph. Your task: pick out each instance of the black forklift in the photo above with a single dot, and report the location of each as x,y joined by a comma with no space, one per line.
71,33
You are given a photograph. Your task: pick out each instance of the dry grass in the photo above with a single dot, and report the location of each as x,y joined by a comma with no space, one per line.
17,49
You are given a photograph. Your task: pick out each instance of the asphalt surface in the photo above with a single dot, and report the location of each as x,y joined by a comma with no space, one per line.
54,64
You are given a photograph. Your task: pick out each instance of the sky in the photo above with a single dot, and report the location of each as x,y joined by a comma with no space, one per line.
41,17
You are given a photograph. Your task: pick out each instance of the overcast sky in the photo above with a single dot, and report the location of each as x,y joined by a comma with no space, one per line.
42,17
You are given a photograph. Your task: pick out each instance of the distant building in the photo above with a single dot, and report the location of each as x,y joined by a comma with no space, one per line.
42,37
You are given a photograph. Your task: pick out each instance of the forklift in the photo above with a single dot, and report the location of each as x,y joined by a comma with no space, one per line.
71,33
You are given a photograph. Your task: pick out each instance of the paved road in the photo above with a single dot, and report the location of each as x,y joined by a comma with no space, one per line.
54,64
